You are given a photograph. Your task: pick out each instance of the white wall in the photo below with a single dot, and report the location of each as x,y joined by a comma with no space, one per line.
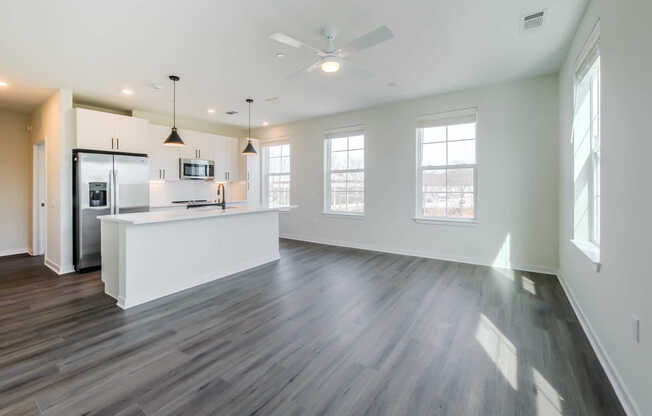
517,178
15,185
53,123
608,299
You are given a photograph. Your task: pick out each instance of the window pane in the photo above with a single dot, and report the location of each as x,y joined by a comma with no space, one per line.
338,182
338,160
356,159
284,199
434,205
285,164
338,201
461,131
339,144
274,165
355,181
356,142
460,206
434,154
434,134
285,150
434,180
274,151
460,180
461,153
355,201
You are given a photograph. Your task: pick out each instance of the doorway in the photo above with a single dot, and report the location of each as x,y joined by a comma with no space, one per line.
39,200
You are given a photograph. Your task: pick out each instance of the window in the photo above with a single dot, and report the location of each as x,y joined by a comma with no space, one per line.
586,146
276,165
344,173
446,166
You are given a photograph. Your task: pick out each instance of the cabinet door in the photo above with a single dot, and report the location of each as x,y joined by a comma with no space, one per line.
206,146
234,155
95,129
131,134
220,148
164,160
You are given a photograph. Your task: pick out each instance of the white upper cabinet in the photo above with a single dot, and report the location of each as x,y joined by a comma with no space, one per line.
234,157
163,160
95,129
98,130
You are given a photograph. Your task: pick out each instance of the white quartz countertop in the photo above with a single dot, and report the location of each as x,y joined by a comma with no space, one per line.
183,214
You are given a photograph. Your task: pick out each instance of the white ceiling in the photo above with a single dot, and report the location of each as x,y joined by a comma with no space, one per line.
222,52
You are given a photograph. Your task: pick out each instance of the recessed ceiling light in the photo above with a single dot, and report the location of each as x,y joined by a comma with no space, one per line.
127,91
265,123
280,55
211,111
4,84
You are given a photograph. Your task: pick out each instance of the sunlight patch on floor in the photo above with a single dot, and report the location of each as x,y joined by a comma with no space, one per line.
549,402
528,285
499,349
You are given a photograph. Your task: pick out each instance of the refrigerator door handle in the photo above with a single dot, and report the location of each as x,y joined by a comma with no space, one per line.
110,190
116,195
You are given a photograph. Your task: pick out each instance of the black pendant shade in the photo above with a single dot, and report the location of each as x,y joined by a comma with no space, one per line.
249,150
174,139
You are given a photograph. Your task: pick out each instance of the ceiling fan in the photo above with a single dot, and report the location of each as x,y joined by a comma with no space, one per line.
331,59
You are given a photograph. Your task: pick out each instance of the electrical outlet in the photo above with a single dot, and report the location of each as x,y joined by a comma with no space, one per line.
636,329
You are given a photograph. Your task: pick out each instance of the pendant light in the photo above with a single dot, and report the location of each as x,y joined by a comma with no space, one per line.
174,139
249,150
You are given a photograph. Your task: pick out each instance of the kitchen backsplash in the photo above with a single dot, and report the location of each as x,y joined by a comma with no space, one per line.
162,193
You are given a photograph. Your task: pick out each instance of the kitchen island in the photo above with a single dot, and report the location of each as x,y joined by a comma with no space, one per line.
149,255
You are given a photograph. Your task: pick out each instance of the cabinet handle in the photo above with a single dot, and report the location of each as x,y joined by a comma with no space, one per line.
163,173
112,139
118,142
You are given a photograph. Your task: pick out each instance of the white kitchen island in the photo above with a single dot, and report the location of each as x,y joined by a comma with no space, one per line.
149,255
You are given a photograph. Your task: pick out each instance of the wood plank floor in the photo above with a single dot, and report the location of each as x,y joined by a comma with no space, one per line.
325,330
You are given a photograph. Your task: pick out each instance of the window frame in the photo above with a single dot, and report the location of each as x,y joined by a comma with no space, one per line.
589,64
328,137
444,119
267,174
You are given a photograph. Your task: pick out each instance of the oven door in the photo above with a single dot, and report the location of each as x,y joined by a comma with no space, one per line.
196,169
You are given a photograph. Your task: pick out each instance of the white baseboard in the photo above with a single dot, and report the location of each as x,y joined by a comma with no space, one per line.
468,260
54,266
626,399
13,251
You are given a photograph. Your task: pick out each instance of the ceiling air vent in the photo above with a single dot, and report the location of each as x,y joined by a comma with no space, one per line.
533,21
231,112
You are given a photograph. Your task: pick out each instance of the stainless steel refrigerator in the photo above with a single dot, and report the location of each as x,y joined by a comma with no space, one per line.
104,183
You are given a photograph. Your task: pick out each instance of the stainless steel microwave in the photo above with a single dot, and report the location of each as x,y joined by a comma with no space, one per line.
196,169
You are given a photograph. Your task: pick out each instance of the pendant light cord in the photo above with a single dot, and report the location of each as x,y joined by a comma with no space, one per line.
174,104
249,120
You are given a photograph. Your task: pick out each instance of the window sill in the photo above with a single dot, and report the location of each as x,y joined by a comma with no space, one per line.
590,250
347,215
446,221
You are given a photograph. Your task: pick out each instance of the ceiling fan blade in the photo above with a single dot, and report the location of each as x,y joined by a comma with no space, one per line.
304,70
373,38
356,70
290,41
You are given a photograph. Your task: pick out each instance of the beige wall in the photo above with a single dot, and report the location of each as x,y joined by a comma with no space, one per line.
609,298
15,185
517,178
52,122
193,124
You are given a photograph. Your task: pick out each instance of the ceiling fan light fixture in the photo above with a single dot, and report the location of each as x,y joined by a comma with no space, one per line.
330,66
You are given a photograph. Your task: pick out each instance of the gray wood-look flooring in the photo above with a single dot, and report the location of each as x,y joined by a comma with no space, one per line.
325,330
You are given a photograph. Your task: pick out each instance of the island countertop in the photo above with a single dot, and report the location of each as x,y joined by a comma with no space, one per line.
138,218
